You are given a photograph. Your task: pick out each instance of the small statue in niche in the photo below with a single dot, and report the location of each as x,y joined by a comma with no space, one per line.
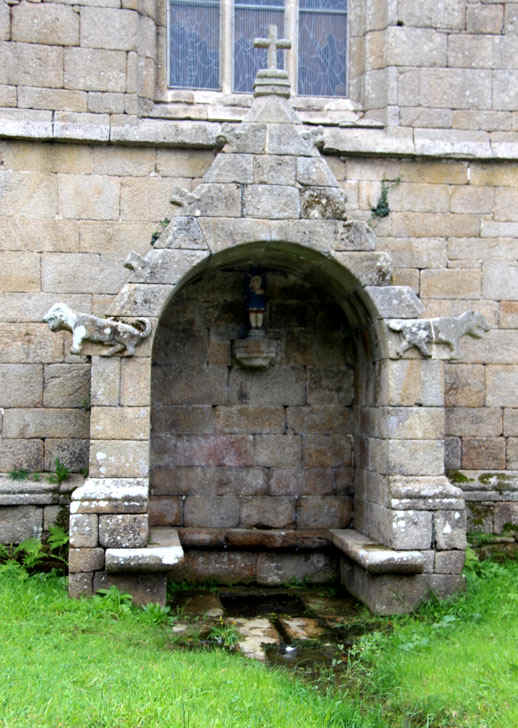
256,351
256,301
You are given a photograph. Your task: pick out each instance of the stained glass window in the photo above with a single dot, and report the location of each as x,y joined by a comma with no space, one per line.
322,47
194,44
251,20
197,43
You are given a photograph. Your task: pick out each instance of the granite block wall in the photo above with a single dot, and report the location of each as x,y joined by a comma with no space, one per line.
253,449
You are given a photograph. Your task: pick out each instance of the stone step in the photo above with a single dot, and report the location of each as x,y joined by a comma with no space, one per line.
162,552
374,557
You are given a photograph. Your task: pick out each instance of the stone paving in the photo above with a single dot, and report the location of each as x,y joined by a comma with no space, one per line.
267,619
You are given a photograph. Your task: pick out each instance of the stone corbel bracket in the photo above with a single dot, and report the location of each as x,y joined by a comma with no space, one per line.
255,353
423,333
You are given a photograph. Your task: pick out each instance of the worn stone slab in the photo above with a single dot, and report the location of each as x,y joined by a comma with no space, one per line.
66,385
80,585
405,422
83,529
119,458
254,634
317,567
449,562
223,567
123,530
28,499
72,452
395,301
267,511
144,588
444,585
275,539
20,522
192,538
137,299
371,269
450,529
7,486
410,382
426,487
165,266
56,423
323,511
217,511
354,235
85,559
302,628
504,481
163,551
403,529
111,495
374,557
385,593
491,496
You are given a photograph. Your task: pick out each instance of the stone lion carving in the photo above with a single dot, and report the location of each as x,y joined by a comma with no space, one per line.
421,333
119,336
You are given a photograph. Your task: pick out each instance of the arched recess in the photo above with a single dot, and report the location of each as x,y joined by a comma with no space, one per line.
396,490
283,448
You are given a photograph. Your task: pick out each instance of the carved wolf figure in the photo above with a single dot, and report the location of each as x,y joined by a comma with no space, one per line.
421,333
119,336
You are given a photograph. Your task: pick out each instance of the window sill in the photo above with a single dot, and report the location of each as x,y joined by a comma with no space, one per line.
199,105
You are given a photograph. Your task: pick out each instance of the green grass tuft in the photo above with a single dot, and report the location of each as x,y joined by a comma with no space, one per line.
454,663
101,662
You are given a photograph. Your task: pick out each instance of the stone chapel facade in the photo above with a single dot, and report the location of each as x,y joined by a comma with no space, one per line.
371,418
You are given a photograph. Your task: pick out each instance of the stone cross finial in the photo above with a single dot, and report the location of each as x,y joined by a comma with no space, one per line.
273,44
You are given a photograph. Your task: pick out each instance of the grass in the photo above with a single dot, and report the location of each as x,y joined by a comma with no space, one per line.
452,665
101,662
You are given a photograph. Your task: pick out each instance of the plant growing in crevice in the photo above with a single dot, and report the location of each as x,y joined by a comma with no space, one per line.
62,473
382,208
163,224
19,474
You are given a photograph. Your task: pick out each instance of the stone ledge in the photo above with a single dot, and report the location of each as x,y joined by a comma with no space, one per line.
375,558
254,539
111,495
355,139
163,552
488,482
490,496
33,492
428,493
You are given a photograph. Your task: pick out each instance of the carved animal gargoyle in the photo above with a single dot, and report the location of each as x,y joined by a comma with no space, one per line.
121,337
422,333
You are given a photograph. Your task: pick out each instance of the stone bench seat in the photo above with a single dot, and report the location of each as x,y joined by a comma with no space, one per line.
271,539
374,557
163,552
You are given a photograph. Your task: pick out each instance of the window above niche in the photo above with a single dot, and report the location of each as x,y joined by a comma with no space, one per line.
211,44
